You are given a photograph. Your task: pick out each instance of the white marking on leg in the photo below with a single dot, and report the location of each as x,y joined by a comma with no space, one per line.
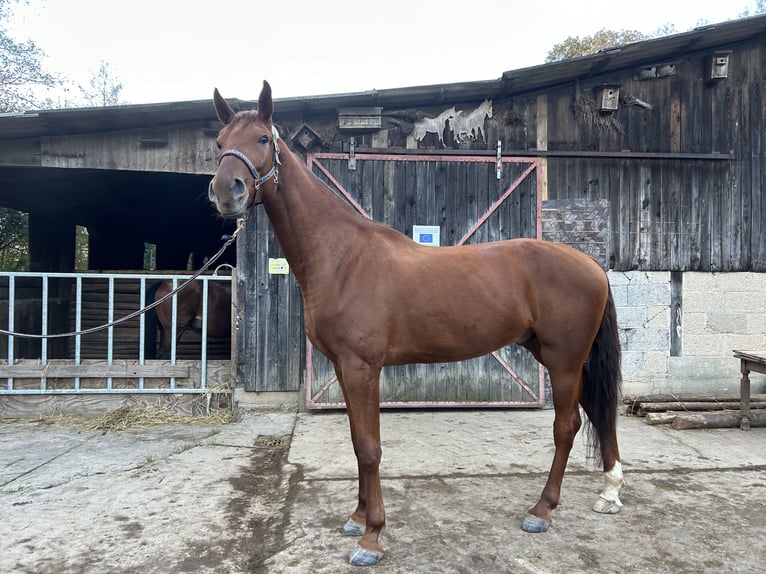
609,500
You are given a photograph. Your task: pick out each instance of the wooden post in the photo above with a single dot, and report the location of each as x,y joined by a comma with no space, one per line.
744,392
542,141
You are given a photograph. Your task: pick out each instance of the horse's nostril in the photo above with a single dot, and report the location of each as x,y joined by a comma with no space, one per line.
237,188
211,192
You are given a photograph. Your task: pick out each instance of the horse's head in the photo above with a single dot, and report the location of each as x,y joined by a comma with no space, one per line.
249,155
488,107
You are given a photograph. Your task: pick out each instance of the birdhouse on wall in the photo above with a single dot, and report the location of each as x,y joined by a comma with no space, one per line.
306,137
719,65
608,98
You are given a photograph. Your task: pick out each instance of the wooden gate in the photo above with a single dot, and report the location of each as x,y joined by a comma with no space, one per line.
469,199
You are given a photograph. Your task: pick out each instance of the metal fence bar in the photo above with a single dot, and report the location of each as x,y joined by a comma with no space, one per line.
174,332
11,305
203,347
44,328
142,330
110,336
78,327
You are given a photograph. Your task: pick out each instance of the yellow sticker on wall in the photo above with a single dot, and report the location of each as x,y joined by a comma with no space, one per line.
278,266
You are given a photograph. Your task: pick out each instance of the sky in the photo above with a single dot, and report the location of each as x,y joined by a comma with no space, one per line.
179,50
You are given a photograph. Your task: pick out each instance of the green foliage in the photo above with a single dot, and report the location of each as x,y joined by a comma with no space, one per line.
14,248
81,245
574,46
758,9
104,88
21,69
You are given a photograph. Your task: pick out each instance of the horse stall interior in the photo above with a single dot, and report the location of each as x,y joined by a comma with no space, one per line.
96,372
117,361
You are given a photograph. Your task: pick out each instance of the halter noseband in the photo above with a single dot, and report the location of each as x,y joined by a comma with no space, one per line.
259,179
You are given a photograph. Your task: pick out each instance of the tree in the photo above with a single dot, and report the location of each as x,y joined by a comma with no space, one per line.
574,46
759,8
104,88
21,69
14,247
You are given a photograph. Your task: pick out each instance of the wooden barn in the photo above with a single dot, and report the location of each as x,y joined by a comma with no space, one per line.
649,156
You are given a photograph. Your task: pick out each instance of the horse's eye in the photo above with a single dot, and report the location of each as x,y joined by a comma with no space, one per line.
264,139
218,144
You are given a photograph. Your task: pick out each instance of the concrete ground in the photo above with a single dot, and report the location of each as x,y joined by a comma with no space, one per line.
267,494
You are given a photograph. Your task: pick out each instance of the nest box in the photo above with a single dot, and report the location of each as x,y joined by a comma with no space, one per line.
608,98
718,67
306,137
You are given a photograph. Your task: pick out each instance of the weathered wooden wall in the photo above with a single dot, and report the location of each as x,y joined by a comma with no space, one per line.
675,204
681,163
671,180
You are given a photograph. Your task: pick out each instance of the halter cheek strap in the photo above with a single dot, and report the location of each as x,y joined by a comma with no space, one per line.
259,179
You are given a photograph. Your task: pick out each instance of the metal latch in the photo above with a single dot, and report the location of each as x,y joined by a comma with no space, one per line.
499,164
351,154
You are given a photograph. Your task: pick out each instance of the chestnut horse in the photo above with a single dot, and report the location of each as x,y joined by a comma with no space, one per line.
188,314
418,304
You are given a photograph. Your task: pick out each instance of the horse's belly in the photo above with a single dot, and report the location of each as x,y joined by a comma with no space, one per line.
456,341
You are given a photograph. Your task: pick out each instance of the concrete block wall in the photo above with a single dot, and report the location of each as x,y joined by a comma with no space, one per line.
719,312
643,315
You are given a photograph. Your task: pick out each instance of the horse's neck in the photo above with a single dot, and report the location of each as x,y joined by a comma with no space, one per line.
311,224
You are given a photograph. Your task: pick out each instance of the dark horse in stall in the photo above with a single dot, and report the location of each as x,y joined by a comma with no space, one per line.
372,297
188,314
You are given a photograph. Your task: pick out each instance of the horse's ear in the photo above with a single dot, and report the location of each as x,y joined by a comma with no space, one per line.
222,108
265,105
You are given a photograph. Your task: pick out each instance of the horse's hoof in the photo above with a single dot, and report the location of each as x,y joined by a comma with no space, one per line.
604,506
352,528
534,524
362,557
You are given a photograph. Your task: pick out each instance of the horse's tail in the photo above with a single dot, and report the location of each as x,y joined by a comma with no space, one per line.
602,379
151,323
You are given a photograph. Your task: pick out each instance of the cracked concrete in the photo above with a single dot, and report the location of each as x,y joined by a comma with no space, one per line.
269,493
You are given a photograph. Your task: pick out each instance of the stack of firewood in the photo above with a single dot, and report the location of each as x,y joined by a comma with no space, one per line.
696,411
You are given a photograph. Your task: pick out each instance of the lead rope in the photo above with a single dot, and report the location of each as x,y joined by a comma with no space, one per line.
231,239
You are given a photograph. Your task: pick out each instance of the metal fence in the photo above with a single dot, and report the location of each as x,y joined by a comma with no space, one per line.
114,359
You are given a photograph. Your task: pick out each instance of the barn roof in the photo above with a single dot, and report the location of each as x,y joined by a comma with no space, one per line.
512,82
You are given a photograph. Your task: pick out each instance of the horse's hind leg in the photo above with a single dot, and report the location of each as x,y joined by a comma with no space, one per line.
567,421
609,501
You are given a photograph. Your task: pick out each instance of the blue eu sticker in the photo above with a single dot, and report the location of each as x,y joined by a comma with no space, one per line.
426,238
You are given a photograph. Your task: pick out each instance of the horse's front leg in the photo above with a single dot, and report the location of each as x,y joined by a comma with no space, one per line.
360,384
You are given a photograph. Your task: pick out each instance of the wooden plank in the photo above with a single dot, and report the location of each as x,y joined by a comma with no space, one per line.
716,420
755,356
20,152
664,418
694,406
92,405
122,369
692,397
757,125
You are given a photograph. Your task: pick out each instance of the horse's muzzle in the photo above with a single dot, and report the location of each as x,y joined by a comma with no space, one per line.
230,200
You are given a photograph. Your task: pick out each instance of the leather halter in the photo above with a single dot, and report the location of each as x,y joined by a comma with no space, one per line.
259,179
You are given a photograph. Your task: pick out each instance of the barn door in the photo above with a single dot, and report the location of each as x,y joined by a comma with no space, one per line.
470,199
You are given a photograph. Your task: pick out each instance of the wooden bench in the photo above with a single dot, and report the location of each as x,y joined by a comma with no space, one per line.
748,361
